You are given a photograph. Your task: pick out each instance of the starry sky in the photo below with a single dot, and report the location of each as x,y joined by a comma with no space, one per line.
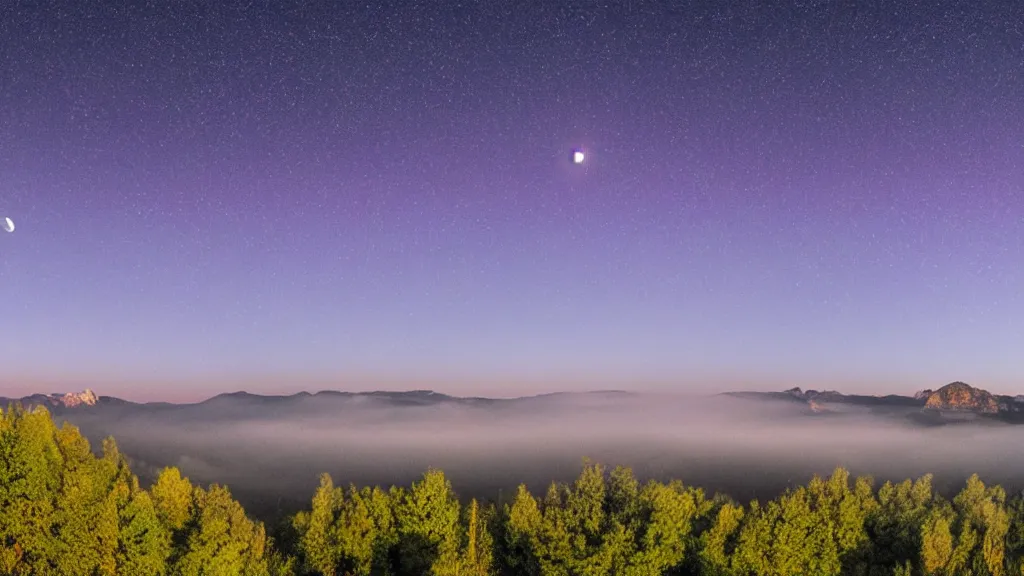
277,196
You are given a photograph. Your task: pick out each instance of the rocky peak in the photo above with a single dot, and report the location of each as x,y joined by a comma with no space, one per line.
74,399
961,397
923,394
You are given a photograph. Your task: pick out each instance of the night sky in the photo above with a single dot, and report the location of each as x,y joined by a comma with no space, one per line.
278,196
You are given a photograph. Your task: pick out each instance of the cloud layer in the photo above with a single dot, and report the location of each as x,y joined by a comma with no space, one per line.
274,449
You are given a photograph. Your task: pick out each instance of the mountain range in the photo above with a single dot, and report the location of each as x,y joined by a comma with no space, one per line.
954,402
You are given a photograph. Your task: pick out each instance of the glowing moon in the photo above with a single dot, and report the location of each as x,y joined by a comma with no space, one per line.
577,157
8,225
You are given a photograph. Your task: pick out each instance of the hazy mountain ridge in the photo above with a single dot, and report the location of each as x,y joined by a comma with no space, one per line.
956,401
240,403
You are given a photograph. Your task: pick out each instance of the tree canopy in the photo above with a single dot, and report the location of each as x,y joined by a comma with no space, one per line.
68,510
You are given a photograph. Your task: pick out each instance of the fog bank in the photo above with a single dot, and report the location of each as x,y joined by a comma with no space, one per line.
271,451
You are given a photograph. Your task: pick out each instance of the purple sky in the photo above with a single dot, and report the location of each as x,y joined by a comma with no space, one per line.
221,195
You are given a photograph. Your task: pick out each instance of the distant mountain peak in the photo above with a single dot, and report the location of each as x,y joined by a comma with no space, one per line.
56,400
962,397
73,399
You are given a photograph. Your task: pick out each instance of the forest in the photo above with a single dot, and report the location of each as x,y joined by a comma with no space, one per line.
66,510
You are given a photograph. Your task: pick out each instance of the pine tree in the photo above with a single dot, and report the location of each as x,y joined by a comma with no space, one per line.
85,518
894,525
1015,536
753,547
30,476
984,510
661,529
427,518
221,540
172,498
144,543
478,552
718,543
520,523
318,532
936,543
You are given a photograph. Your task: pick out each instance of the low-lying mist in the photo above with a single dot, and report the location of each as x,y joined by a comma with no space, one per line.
270,452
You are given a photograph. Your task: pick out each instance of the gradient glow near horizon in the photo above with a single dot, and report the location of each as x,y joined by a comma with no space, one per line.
317,191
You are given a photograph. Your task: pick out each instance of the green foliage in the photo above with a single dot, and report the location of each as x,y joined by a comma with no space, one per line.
427,519
30,479
350,535
521,522
602,526
1015,537
66,511
894,526
220,540
172,498
478,547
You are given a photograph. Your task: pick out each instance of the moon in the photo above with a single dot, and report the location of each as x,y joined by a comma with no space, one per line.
8,225
578,156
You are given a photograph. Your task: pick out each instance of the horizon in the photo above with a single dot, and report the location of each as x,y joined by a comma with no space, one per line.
149,389
25,390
